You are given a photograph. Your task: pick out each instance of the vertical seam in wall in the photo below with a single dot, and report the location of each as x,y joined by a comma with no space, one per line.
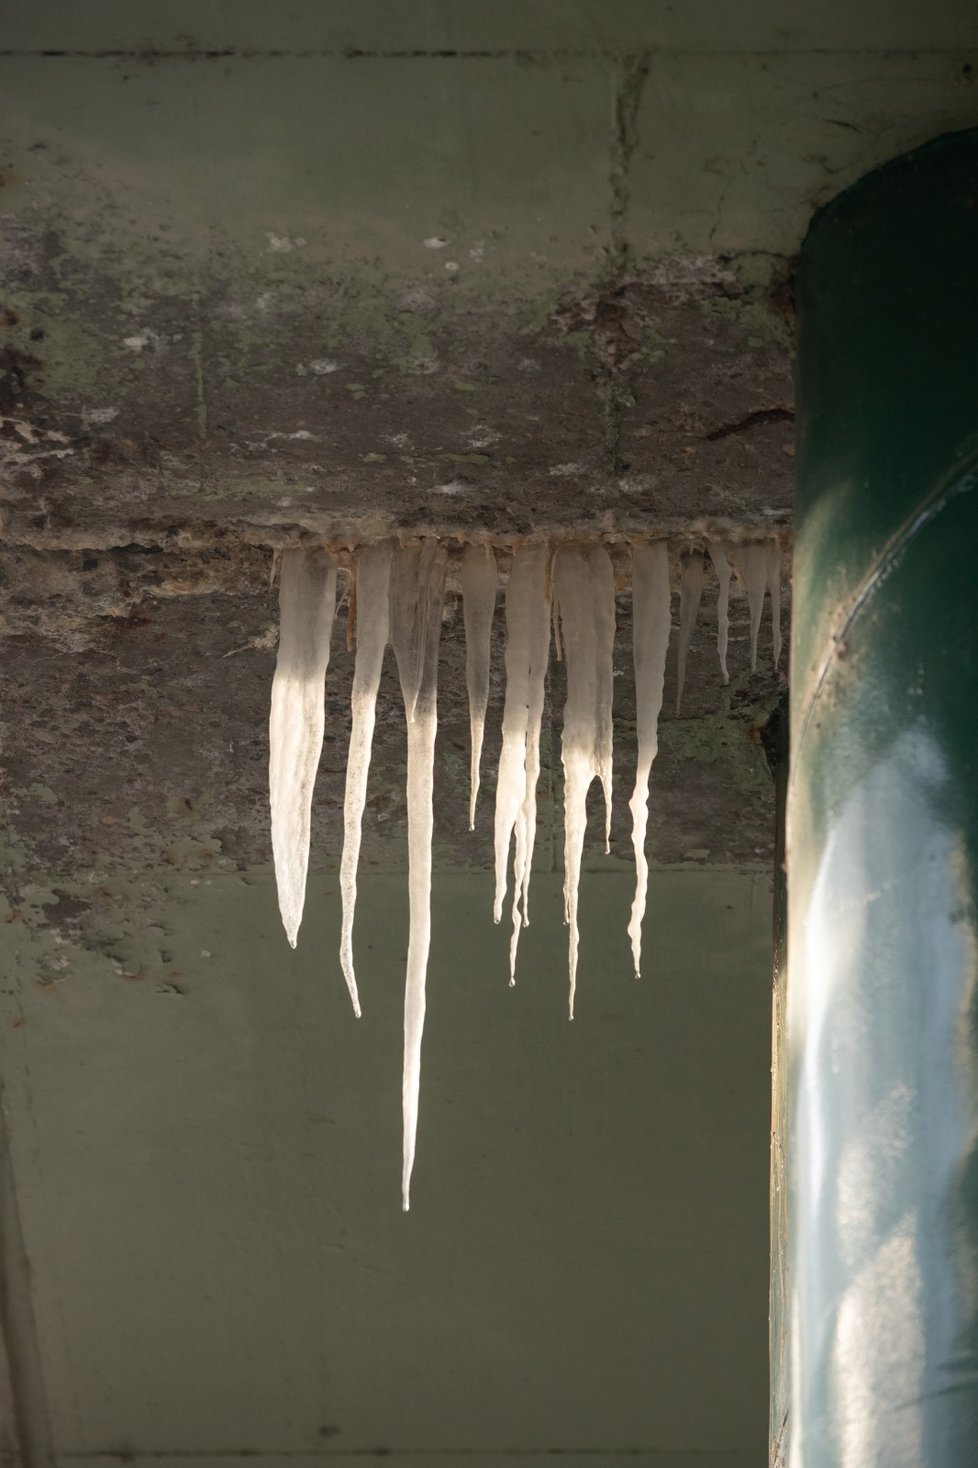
629,75
17,1326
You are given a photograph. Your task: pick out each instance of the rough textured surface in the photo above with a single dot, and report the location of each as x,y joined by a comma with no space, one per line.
640,405
290,280
140,713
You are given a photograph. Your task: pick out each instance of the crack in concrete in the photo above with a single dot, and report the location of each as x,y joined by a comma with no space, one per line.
633,73
345,53
519,54
133,1455
780,413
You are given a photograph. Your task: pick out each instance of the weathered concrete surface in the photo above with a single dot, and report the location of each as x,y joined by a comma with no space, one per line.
444,28
289,279
136,705
262,295
208,1143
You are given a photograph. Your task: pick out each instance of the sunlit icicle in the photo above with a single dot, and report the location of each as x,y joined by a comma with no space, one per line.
690,594
774,587
307,605
537,652
723,569
526,603
527,652
479,578
373,564
652,624
750,563
417,593
584,590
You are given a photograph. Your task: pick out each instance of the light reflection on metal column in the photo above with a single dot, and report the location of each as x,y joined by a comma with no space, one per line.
883,826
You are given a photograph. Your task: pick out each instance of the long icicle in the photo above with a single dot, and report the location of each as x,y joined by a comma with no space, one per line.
750,563
690,595
534,593
603,604
652,624
417,597
373,565
584,590
307,605
526,573
724,570
479,578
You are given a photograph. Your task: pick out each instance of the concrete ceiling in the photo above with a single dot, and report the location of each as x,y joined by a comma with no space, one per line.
341,271
496,267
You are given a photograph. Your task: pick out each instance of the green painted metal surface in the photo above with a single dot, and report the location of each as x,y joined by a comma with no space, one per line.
776,748
883,825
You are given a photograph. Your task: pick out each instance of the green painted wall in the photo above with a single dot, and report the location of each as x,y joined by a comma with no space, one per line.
207,1153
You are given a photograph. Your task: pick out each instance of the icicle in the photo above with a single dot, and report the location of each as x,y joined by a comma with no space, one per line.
750,563
723,569
555,622
526,822
651,611
527,653
690,594
584,590
773,559
478,605
307,603
370,595
417,590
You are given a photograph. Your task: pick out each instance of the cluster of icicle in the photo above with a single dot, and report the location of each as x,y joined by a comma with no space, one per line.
397,599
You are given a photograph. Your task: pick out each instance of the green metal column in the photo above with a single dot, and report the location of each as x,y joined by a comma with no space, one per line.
775,740
883,826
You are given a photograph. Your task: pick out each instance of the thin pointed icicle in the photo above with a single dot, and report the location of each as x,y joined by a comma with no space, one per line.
773,558
527,653
538,658
584,590
478,605
690,595
750,563
525,597
307,604
373,567
723,569
651,610
417,593
604,619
